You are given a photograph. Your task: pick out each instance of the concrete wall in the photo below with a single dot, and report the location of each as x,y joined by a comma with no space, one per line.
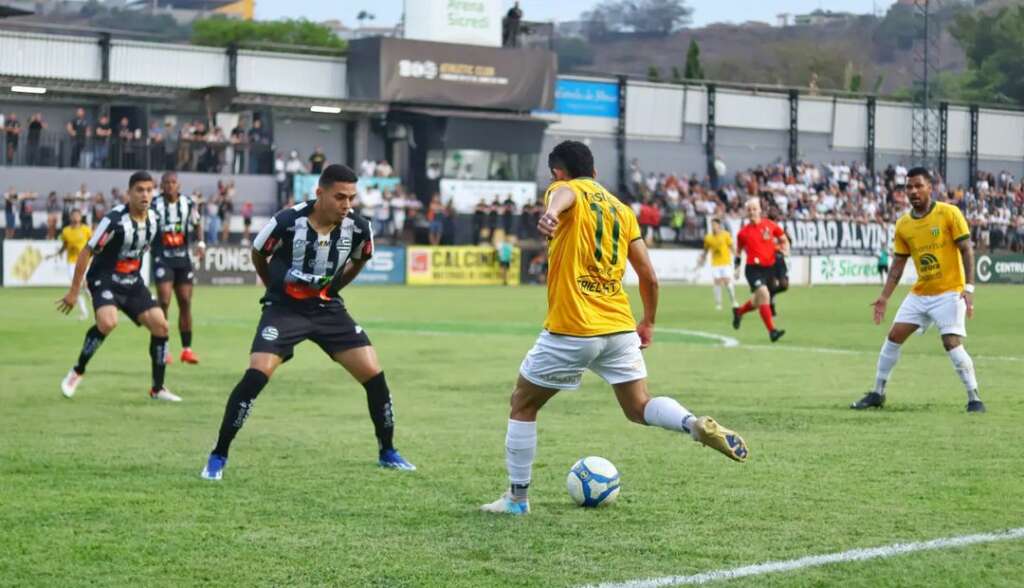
303,135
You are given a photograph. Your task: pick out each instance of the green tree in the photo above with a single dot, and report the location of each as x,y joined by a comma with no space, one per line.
653,74
219,31
677,76
694,70
994,44
659,17
573,52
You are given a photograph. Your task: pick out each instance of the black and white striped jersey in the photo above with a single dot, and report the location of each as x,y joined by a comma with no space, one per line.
303,261
176,225
118,245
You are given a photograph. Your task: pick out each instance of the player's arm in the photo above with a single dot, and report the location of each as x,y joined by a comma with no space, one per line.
962,237
81,266
561,200
967,257
781,239
345,276
264,245
641,262
899,262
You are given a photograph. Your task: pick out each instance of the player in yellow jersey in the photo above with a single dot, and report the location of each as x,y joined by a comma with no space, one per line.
589,322
719,243
73,239
936,235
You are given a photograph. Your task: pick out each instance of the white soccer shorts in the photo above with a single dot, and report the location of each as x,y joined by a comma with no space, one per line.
558,361
719,272
947,311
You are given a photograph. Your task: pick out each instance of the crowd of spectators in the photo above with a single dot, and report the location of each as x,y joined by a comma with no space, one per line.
34,216
674,207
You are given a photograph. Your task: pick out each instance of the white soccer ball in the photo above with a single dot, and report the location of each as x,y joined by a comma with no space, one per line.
593,481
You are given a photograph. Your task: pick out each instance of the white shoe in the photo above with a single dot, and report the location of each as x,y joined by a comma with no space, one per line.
164,394
70,383
505,505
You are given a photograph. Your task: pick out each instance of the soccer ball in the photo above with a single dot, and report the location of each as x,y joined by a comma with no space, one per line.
593,481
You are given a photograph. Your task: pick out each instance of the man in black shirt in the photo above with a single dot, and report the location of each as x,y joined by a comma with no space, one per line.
317,160
305,255
178,223
78,129
258,142
239,143
101,147
113,258
35,131
12,128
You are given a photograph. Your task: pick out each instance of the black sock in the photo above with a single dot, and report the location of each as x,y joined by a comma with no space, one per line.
378,399
239,406
93,339
186,339
157,359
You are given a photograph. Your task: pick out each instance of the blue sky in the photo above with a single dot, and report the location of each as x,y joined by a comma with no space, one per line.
388,12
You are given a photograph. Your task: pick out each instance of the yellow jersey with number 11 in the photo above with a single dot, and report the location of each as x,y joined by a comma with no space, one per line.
932,241
586,262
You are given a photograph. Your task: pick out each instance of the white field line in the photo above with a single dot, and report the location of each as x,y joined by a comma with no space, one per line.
725,341
840,351
819,560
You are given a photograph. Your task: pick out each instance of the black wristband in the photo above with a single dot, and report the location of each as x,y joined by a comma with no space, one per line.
736,262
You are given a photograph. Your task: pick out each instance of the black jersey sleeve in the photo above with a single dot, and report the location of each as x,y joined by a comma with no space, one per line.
268,240
362,239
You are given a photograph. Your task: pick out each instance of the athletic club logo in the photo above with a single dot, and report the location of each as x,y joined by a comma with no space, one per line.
269,333
107,295
160,272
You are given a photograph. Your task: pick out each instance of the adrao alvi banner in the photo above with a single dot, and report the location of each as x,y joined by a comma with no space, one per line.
826,237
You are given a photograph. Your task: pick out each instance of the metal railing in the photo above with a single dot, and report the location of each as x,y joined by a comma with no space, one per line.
58,149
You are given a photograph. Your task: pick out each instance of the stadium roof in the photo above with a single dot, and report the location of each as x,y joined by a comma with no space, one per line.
8,11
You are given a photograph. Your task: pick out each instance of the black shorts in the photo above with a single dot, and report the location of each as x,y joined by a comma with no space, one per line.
179,272
282,328
505,264
781,271
882,268
758,276
133,300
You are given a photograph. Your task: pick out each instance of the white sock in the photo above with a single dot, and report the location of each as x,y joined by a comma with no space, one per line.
732,295
964,366
520,448
666,413
718,294
887,359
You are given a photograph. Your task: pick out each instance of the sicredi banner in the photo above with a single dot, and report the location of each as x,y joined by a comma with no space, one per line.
223,265
1000,269
470,22
464,266
387,266
35,263
826,237
853,269
466,194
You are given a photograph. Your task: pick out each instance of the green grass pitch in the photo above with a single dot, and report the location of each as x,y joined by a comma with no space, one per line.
104,489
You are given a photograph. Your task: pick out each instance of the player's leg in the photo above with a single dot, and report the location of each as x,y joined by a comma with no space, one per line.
730,287
949,313
761,300
716,289
164,276
155,321
888,356
667,413
362,363
521,446
183,294
106,321
239,406
554,363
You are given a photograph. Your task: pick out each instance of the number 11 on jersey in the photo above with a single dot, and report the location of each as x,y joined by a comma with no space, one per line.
598,211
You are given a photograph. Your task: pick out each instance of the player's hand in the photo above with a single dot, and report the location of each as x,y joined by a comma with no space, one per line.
879,308
69,301
547,224
646,332
969,301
